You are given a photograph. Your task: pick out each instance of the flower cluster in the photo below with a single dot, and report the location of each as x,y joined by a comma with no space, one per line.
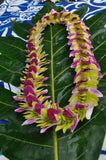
35,105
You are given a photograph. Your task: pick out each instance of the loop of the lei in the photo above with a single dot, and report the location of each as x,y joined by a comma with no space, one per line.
36,106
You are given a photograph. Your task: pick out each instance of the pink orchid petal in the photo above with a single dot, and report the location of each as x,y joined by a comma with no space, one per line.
46,97
81,39
96,92
80,106
28,82
82,90
72,53
44,91
28,90
43,70
44,55
52,11
45,64
67,112
18,99
29,121
83,24
74,64
77,85
100,75
66,17
77,34
87,62
19,110
82,70
83,80
89,112
32,69
57,105
38,107
75,123
30,99
29,75
71,105
96,64
76,28
34,61
51,113
79,73
44,79
80,45
43,130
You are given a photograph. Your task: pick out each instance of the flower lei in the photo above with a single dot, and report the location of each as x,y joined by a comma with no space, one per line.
36,106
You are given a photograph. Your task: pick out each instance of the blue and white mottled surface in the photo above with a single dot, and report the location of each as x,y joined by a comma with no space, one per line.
23,10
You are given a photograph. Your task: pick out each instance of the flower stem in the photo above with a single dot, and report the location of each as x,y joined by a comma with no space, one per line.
55,144
53,97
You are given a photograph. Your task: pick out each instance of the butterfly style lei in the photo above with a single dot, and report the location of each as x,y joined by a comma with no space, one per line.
36,107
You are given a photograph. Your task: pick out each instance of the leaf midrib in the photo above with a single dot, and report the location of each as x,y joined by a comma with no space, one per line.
52,71
53,97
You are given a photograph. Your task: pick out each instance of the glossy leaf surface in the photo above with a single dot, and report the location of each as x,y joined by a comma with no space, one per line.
62,73
88,137
12,59
99,42
96,22
29,143
21,29
81,11
46,9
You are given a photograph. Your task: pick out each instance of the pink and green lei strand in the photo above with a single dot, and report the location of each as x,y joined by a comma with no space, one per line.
35,105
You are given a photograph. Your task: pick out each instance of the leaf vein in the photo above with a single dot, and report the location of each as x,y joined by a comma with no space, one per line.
10,70
99,46
13,46
58,32
6,104
102,57
47,40
27,142
62,72
60,49
95,21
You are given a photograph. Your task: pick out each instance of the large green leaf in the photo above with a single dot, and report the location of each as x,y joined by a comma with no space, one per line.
86,141
99,42
81,11
21,29
17,142
58,51
29,143
12,59
96,22
46,9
